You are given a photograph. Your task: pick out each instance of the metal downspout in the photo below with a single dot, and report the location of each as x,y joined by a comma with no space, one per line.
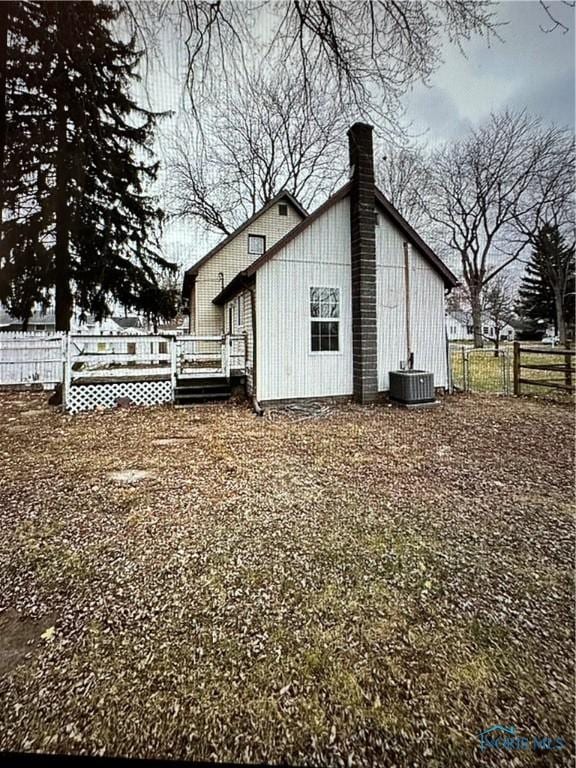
255,404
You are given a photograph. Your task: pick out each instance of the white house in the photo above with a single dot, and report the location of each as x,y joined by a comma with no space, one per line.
335,301
459,327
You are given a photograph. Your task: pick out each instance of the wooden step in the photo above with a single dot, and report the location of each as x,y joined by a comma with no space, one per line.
189,390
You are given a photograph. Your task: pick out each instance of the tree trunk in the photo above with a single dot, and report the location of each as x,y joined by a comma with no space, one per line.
476,304
560,320
63,294
4,24
496,341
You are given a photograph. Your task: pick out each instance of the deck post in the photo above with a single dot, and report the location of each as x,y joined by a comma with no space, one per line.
225,356
67,369
516,368
173,363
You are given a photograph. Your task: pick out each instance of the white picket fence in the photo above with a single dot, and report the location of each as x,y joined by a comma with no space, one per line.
28,358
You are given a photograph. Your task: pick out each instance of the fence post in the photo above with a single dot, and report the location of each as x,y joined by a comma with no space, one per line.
568,373
464,369
173,363
516,368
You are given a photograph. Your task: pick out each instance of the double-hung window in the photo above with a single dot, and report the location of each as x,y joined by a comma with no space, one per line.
324,319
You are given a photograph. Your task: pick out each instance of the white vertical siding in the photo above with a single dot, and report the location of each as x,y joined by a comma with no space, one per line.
427,309
319,256
428,321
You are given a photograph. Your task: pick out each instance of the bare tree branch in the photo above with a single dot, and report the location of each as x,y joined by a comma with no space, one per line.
488,195
372,51
263,136
553,16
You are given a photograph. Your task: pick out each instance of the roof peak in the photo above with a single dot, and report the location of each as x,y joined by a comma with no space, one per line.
283,193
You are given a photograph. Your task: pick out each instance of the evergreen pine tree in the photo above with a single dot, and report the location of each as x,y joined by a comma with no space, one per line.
547,290
79,224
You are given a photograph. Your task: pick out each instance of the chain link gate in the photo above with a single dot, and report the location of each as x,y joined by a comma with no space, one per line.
481,370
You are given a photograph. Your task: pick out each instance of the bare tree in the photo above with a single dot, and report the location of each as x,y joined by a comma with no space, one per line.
498,306
261,137
486,194
558,14
371,50
401,174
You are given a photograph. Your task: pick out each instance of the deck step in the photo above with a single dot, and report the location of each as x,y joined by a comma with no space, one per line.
189,388
192,390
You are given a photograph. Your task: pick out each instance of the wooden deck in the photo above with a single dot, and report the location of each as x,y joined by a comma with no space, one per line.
131,362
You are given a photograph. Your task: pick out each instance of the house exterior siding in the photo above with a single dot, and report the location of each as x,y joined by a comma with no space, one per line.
427,323
206,319
286,368
321,256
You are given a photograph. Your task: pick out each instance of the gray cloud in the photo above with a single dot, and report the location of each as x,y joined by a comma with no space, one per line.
529,69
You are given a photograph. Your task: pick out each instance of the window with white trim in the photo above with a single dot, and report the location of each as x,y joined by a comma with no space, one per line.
324,319
256,244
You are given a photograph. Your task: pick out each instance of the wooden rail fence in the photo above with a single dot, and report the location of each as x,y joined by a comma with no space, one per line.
565,367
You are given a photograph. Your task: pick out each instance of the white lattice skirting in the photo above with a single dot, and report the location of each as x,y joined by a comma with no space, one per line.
86,397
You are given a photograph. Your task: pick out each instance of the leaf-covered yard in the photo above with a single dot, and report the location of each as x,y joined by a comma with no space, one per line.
371,588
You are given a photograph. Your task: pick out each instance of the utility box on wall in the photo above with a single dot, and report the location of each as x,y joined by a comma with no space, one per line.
412,387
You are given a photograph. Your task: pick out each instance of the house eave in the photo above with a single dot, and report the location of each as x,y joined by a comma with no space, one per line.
238,283
450,279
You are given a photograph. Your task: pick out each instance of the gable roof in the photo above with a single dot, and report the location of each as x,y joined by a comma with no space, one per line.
244,277
282,195
450,279
128,322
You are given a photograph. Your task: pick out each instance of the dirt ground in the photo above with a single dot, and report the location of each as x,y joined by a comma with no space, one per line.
375,587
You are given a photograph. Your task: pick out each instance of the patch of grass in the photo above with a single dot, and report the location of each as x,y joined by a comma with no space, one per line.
489,373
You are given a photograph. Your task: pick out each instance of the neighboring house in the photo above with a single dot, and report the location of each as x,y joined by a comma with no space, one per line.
128,324
459,327
207,277
348,294
39,321
45,321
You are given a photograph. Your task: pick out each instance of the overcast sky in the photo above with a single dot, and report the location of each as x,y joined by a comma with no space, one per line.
531,69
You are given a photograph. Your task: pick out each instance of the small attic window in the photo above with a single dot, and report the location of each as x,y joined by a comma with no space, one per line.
377,218
256,244
282,209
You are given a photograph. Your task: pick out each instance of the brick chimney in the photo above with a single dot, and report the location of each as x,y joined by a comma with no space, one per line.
363,243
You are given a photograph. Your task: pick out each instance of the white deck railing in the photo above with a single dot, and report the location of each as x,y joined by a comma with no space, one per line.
99,356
